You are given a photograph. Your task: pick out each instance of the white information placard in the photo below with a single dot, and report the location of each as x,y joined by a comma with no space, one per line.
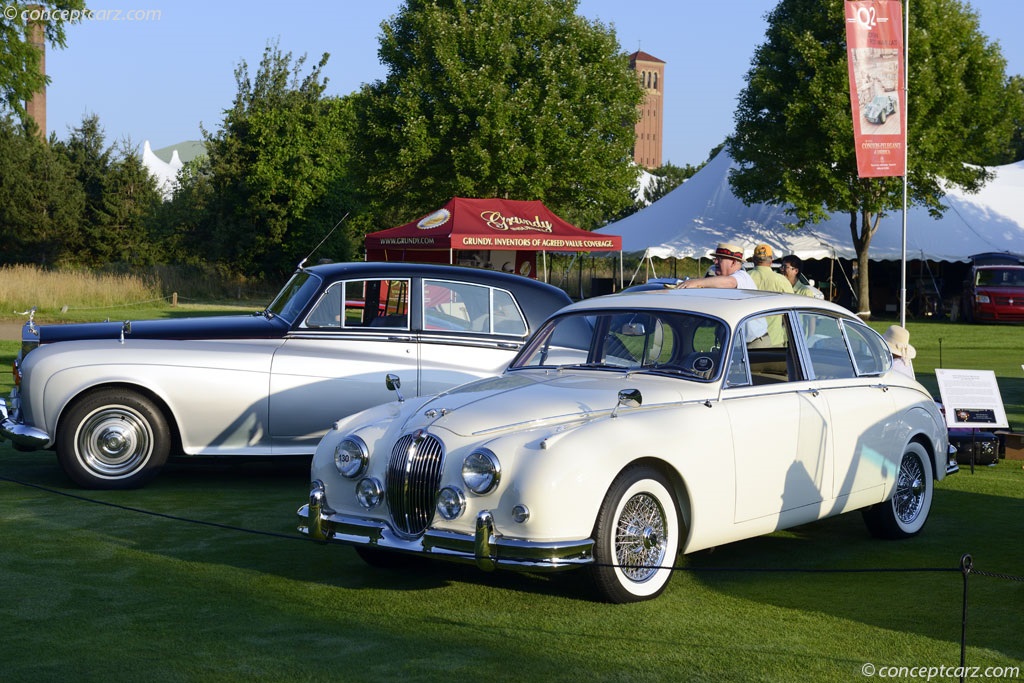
971,399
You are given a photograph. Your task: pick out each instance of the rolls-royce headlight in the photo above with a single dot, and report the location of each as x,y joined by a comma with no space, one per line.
481,471
351,456
451,503
369,492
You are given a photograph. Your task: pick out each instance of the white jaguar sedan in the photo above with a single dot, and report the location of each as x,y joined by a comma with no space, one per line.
632,428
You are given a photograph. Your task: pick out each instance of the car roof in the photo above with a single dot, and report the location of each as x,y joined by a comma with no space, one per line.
731,305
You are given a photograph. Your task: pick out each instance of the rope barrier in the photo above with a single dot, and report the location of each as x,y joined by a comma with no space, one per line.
163,515
760,570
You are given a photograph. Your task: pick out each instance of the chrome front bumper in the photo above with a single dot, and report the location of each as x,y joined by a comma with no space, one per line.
952,467
23,437
486,548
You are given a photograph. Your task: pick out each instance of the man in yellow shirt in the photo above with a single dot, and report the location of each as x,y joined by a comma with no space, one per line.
768,280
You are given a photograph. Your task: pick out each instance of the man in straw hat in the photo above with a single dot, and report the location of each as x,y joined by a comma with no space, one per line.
729,263
898,339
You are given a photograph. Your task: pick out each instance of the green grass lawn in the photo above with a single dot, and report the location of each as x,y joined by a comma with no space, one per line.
93,588
105,592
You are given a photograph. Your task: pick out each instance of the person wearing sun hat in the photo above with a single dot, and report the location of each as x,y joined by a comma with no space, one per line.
767,280
898,340
763,276
729,263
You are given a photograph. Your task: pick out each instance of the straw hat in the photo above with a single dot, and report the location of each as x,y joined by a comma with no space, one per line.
898,340
730,251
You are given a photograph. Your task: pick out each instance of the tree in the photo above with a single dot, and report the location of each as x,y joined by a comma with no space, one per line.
133,199
89,158
520,99
1017,151
41,203
273,183
794,133
20,76
121,197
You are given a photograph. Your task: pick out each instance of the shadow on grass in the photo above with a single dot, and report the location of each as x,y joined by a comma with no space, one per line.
795,569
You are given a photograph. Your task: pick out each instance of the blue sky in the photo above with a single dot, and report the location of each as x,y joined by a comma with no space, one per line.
160,77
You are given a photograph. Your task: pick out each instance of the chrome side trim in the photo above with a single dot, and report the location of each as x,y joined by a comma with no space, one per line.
485,547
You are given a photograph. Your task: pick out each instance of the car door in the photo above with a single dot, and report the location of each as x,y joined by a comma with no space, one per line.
780,441
335,362
845,360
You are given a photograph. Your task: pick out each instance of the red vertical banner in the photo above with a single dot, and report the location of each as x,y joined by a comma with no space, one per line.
874,47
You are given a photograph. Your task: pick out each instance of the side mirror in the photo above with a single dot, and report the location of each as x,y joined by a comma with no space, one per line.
393,383
629,398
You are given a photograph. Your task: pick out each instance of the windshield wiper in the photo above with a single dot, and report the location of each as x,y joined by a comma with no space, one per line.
593,366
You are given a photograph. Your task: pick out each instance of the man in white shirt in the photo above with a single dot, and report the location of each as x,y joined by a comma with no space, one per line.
729,262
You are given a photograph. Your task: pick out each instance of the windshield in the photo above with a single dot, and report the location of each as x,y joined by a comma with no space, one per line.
294,296
1001,277
670,342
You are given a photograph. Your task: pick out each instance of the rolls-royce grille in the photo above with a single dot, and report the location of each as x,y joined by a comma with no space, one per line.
412,479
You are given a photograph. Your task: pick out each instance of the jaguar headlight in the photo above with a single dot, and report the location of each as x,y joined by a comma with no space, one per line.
481,471
351,456
369,492
451,503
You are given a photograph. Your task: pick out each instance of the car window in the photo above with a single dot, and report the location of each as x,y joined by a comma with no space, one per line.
294,296
508,319
826,346
668,342
994,277
467,307
327,312
563,341
362,303
767,358
870,353
739,368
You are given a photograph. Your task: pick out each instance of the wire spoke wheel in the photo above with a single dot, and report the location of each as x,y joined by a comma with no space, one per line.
640,537
636,537
910,490
906,511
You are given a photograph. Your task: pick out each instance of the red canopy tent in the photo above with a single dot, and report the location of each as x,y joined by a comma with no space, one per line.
503,230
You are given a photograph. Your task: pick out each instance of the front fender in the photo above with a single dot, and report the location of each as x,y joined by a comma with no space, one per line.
214,395
563,477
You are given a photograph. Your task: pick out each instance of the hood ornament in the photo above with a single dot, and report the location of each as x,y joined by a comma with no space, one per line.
31,313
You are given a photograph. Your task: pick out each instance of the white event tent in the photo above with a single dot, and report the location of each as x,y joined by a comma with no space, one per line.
692,219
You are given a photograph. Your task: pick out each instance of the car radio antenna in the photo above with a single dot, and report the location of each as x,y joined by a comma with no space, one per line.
326,237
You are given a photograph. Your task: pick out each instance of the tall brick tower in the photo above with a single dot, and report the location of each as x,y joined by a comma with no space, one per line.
36,107
651,72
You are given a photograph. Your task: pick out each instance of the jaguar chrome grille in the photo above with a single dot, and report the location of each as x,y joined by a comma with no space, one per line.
413,476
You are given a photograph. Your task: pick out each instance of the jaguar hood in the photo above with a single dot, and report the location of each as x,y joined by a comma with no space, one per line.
533,398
